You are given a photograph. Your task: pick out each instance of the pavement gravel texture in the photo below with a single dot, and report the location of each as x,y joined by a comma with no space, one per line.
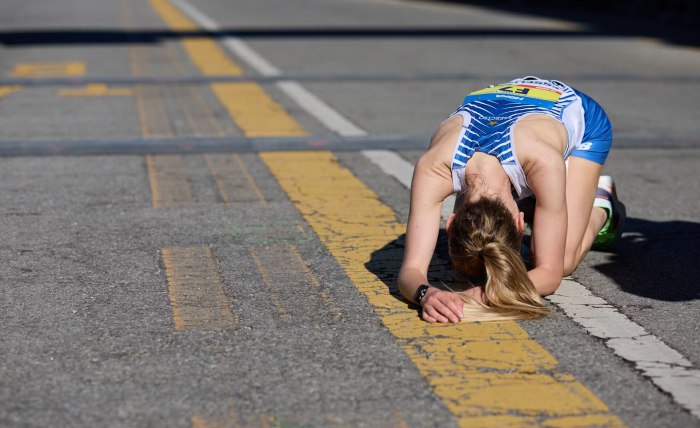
87,335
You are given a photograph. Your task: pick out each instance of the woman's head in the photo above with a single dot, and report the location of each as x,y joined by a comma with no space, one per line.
484,241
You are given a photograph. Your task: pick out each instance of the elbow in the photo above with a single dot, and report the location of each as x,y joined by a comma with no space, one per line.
550,282
550,289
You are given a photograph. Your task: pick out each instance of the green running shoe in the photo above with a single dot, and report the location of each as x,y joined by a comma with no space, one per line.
606,198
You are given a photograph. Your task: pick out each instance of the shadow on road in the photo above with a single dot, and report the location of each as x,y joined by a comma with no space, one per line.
386,262
69,36
104,36
658,260
675,22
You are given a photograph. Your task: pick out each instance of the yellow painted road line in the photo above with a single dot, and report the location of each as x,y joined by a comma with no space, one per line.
95,90
169,183
251,108
195,288
49,69
233,180
255,112
7,90
487,374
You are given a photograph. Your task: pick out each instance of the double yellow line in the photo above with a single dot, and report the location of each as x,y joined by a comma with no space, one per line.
488,375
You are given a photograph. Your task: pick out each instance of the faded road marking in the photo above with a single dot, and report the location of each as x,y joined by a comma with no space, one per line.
169,183
195,288
95,90
153,115
270,285
232,178
7,90
295,288
49,69
311,277
486,374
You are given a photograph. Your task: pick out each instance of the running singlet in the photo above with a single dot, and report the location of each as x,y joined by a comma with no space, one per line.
490,114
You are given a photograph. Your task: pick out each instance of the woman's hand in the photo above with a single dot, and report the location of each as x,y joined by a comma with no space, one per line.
441,306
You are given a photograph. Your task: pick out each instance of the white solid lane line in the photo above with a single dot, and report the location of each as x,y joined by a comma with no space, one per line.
665,366
313,105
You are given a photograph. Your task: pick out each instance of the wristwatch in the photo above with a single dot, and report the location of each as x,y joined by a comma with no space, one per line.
420,293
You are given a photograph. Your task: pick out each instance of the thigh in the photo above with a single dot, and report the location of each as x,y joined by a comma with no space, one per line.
581,184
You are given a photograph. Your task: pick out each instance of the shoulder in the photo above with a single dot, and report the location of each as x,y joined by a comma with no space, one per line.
447,132
442,144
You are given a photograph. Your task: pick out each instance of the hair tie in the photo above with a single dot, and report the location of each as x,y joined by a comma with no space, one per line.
481,254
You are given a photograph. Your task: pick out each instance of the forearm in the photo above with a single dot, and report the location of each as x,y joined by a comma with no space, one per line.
409,281
546,281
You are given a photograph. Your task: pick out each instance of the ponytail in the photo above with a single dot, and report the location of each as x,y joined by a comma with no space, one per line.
484,241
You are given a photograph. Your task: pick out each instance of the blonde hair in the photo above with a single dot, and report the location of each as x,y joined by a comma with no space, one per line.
484,241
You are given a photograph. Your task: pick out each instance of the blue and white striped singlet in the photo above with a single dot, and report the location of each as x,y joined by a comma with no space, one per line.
489,116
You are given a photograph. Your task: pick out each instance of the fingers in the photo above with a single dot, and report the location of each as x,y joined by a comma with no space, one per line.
432,312
427,317
443,307
457,307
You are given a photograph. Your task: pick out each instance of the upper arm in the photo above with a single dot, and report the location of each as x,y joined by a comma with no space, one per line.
429,188
547,179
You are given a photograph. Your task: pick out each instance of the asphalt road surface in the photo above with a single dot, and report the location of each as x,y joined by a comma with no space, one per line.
202,208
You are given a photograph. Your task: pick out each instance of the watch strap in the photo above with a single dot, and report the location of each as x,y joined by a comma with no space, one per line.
420,293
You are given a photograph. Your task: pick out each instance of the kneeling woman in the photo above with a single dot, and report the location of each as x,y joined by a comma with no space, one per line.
527,139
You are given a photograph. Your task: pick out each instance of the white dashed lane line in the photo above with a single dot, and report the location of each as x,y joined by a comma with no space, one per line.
665,366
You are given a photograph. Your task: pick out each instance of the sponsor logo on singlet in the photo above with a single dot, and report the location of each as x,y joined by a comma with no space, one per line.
518,93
